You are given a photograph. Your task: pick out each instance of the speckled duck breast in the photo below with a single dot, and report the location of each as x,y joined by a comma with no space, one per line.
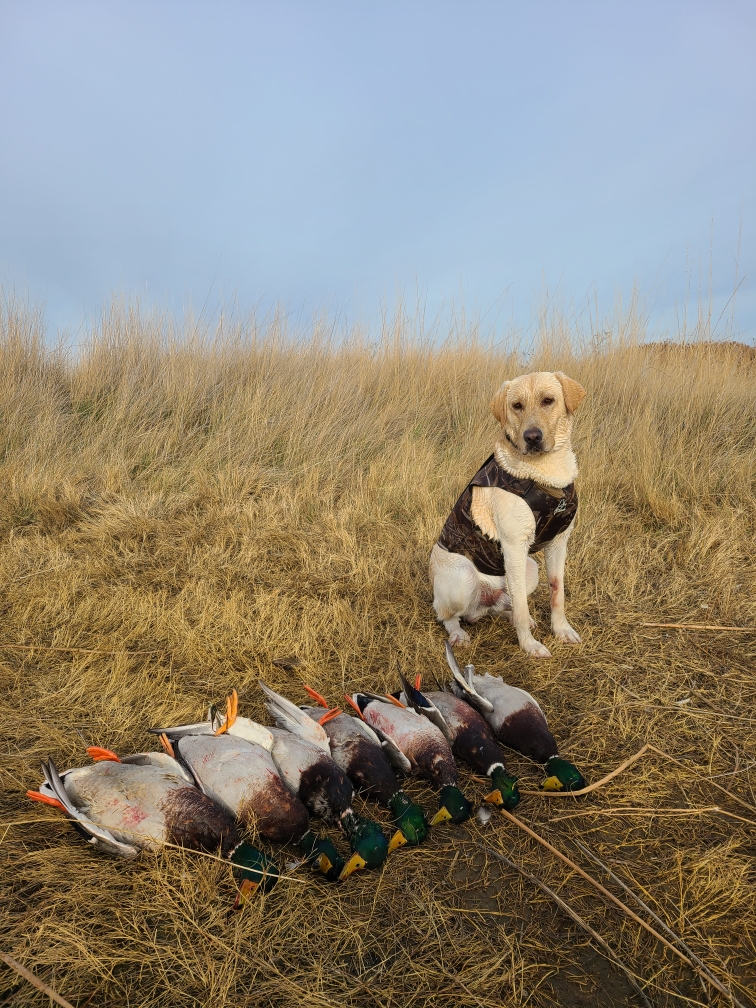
552,508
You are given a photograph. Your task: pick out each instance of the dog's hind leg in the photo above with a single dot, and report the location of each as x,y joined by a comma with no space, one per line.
456,592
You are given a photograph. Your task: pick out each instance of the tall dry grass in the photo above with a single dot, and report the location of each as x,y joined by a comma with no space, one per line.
186,508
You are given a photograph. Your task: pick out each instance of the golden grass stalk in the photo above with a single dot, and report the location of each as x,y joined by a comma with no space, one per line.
654,916
35,981
700,626
707,976
575,916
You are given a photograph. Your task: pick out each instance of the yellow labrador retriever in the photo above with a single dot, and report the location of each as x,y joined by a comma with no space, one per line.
522,499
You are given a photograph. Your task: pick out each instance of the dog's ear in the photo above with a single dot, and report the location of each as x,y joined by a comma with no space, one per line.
573,391
499,402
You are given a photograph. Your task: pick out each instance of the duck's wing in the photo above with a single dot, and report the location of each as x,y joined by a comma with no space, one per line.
100,837
393,752
420,703
352,724
462,685
287,715
364,728
251,731
161,760
178,731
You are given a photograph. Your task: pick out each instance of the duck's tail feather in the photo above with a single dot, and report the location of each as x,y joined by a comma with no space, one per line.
56,786
99,836
288,716
178,731
462,684
420,703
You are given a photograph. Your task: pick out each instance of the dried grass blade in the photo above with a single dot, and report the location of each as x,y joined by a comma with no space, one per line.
628,763
699,626
35,981
703,777
577,919
600,783
655,917
69,650
613,899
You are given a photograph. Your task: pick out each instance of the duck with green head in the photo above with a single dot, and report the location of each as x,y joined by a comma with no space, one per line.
358,751
231,760
517,722
415,745
145,801
469,735
302,754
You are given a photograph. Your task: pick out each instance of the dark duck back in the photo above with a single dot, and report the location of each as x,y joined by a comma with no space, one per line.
358,751
303,750
471,737
517,721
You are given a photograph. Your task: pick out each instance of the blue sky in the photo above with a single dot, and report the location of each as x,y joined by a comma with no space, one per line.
333,155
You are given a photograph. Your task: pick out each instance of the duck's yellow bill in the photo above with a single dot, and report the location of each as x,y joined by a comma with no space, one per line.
440,816
494,798
552,784
397,840
354,864
246,889
324,864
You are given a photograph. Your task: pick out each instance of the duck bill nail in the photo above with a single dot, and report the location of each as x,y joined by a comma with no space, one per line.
324,865
441,816
552,784
494,798
354,864
247,889
397,840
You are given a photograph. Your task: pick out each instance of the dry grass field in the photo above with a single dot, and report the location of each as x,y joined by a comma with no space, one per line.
177,512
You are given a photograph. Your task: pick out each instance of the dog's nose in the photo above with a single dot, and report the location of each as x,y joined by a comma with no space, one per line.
533,437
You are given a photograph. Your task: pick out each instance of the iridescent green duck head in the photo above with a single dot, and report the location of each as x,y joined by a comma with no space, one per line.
369,846
505,793
562,776
253,870
321,855
411,824
453,805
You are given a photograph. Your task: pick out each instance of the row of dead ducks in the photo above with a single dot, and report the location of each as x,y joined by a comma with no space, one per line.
229,770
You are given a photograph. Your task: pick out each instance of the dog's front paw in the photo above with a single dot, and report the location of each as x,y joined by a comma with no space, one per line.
535,649
459,637
564,632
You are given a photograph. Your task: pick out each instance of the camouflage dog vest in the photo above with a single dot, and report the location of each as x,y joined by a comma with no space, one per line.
553,510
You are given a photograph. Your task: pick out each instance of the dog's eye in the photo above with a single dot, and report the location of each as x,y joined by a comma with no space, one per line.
517,405
548,400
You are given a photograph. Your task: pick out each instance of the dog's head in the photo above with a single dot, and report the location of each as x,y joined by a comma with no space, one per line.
535,410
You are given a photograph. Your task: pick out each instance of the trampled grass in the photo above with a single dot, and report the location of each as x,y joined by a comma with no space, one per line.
184,511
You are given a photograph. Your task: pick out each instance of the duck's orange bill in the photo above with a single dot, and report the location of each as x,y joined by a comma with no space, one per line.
395,702
329,716
165,742
354,706
418,680
97,753
45,799
317,697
